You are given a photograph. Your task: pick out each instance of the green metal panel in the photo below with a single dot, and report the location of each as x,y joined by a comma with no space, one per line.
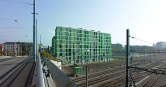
97,42
78,70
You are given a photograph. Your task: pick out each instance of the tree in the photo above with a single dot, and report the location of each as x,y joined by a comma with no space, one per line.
0,52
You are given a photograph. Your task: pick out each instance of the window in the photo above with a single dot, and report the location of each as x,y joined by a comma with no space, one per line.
77,61
60,37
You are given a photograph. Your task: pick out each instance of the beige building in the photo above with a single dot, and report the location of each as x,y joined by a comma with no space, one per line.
22,48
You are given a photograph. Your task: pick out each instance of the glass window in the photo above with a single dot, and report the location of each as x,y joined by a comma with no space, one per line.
60,37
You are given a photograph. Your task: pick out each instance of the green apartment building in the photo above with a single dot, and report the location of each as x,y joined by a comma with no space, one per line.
81,44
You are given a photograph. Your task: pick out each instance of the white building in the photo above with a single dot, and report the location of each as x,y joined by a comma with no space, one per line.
22,48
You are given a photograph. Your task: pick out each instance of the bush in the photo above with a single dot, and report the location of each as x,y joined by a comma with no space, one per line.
43,54
49,56
11,54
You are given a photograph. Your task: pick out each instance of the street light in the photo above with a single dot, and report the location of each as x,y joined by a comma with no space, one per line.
87,69
74,65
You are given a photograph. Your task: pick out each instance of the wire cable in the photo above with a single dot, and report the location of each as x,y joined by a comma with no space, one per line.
141,40
17,2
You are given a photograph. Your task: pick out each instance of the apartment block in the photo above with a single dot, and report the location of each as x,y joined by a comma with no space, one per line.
81,44
53,45
22,48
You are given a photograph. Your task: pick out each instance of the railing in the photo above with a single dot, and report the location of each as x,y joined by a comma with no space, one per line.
43,77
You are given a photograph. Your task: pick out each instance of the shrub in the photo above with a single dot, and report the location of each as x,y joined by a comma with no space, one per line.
11,54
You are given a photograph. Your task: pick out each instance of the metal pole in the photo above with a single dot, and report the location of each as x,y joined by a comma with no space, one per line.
36,40
127,58
40,44
18,49
81,61
34,31
87,72
15,48
21,49
86,75
107,62
74,66
131,59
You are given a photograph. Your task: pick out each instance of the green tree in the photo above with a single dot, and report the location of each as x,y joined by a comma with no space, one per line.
1,52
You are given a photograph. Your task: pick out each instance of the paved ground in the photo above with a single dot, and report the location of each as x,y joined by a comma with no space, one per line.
17,72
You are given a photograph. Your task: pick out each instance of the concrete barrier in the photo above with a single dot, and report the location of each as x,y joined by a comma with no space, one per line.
60,79
58,64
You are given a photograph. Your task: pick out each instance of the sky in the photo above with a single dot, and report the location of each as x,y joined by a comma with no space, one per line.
146,19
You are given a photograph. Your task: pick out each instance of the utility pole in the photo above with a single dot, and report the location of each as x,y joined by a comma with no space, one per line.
87,68
15,48
74,66
127,58
48,48
34,31
36,40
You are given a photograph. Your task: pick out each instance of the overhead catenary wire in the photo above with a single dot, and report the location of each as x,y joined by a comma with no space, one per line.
15,27
17,2
141,40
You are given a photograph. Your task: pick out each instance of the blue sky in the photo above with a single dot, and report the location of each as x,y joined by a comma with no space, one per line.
146,19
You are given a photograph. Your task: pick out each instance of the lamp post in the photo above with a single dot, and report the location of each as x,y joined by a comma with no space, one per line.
74,65
87,69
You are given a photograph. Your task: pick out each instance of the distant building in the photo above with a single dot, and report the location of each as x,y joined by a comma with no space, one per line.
1,47
22,48
160,45
138,48
117,49
81,44
53,46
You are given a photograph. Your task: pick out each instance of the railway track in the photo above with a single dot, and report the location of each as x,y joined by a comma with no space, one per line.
160,84
120,82
110,77
9,77
115,76
151,81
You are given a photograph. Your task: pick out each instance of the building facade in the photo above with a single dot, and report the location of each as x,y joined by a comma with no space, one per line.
1,49
21,48
53,46
117,49
81,44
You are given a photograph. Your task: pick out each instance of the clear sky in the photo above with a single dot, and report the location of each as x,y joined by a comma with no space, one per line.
146,19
